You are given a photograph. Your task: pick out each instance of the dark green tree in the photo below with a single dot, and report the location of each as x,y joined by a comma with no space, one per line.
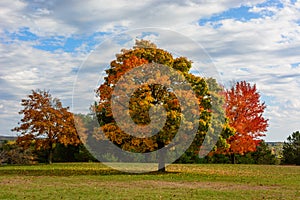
263,154
291,149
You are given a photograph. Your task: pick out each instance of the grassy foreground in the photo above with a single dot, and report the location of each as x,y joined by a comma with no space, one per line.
96,181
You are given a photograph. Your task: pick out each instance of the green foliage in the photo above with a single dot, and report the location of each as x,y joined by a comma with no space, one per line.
264,155
189,157
11,153
62,153
218,159
244,159
291,149
182,64
84,155
220,123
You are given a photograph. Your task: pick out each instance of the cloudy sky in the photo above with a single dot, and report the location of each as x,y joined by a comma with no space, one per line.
43,44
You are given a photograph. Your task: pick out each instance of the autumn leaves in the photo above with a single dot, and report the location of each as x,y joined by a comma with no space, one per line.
45,123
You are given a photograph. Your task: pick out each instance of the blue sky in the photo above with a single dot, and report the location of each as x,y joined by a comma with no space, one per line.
44,43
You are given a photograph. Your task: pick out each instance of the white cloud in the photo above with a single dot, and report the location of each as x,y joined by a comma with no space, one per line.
264,10
24,68
69,17
10,14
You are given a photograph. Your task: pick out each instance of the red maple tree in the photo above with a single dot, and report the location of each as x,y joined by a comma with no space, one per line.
245,113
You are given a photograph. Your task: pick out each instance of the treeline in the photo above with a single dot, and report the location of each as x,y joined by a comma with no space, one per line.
11,153
262,155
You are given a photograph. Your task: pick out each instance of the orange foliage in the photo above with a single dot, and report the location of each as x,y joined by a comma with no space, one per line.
245,113
147,96
45,123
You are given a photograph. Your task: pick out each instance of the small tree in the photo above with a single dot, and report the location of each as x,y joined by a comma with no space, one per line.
45,123
291,149
245,113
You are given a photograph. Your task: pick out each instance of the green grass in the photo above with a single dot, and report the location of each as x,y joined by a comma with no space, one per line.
96,181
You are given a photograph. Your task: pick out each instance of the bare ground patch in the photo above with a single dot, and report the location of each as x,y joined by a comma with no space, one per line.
14,181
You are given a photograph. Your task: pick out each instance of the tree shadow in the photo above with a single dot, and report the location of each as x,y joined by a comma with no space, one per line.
48,170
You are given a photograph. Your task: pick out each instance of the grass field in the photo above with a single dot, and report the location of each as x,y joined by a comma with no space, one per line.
96,181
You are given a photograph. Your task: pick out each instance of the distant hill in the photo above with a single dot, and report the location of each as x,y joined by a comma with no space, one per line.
6,138
274,143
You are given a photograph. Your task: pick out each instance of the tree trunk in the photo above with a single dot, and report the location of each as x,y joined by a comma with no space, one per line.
232,158
50,156
161,158
50,153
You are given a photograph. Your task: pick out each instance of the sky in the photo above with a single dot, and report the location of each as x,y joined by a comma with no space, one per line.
50,45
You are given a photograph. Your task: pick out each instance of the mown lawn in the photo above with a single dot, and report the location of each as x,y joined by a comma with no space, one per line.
96,181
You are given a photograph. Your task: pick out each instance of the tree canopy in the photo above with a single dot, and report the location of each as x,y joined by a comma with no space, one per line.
45,123
291,149
245,113
149,99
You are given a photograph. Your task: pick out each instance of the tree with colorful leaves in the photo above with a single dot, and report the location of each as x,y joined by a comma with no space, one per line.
245,113
148,97
45,123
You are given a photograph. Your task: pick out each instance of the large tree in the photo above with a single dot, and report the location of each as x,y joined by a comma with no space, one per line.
291,149
245,113
148,97
45,123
